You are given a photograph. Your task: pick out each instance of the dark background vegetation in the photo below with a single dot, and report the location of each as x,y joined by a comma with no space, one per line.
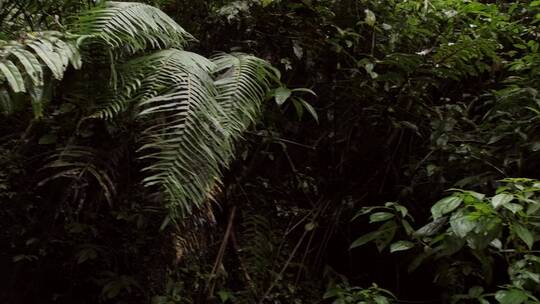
427,96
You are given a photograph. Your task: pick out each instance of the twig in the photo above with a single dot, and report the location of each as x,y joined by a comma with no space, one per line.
211,284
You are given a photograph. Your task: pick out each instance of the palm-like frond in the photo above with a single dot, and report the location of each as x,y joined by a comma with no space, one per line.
148,76
242,84
176,102
198,123
191,110
131,26
191,120
22,64
81,164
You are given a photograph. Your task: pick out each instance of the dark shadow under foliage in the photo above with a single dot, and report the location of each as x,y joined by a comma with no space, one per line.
413,98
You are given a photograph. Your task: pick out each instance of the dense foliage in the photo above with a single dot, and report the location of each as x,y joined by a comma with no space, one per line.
135,171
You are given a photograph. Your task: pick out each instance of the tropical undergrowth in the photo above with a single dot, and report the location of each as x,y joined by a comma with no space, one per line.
414,98
112,130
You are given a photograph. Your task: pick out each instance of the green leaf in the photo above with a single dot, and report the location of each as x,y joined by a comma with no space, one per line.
461,224
380,300
524,234
31,65
380,216
408,228
47,55
501,199
513,207
386,234
364,239
282,94
310,109
304,90
445,205
13,76
512,296
401,246
299,107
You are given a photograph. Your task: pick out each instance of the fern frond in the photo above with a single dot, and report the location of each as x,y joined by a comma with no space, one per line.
23,64
242,84
81,163
182,138
132,26
259,247
145,77
196,123
191,120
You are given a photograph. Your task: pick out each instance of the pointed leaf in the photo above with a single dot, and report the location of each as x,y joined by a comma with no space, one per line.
524,234
512,296
445,205
461,224
513,207
281,94
401,245
364,239
13,76
310,109
380,216
501,199
31,65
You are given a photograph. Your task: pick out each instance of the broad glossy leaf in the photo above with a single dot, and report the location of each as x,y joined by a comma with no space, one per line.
401,246
524,234
512,296
282,94
364,239
310,109
445,205
380,216
513,207
386,235
461,224
380,300
501,199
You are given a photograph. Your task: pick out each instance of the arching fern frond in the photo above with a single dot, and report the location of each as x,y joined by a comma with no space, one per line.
182,137
196,121
131,26
83,165
242,84
24,63
191,121
146,77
